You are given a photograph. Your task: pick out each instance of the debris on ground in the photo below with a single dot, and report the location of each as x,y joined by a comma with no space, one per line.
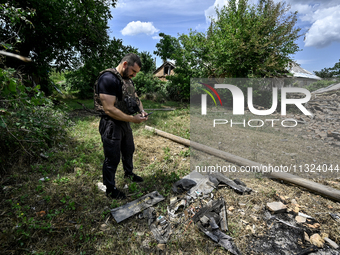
183,185
101,186
219,237
331,243
286,228
125,211
203,187
323,125
207,183
160,227
276,207
335,217
238,187
207,220
290,236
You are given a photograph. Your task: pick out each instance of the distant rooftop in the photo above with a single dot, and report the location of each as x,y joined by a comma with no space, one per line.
299,72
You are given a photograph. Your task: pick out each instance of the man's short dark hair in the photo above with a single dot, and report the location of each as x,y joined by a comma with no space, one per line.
131,59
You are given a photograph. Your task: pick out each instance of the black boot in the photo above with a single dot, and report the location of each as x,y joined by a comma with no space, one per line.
115,193
133,177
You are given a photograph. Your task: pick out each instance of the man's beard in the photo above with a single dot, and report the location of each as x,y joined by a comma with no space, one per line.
126,73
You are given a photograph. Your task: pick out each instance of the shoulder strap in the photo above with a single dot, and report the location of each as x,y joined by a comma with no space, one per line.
111,70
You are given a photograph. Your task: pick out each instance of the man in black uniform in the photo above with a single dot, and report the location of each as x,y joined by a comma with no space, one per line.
112,89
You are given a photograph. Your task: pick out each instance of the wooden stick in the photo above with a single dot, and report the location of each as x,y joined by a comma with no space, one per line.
9,54
310,185
161,109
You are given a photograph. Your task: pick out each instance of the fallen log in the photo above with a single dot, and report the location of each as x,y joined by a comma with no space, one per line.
160,109
287,177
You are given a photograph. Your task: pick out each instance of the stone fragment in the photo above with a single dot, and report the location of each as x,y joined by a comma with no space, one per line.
300,219
306,237
256,208
293,201
315,225
317,240
242,205
296,209
331,243
161,247
249,228
276,207
104,227
101,186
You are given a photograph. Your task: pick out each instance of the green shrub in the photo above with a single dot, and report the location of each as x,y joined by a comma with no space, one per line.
147,83
28,120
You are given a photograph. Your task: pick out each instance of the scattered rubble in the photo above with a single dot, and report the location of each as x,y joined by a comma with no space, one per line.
325,122
207,219
287,229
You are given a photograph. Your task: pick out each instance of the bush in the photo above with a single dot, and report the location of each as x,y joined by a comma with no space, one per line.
146,83
28,120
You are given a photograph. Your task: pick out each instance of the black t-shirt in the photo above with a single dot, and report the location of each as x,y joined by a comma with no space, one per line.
109,84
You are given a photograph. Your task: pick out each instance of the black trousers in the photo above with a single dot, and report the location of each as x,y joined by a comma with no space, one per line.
117,140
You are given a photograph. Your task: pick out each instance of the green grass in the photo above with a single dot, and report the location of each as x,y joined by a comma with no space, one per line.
149,104
72,104
65,212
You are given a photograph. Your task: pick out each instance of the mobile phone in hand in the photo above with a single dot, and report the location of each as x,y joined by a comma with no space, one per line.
148,114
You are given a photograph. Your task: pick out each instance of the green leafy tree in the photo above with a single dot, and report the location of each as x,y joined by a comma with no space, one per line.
146,83
243,41
28,120
251,40
191,61
148,63
329,72
166,46
63,30
108,56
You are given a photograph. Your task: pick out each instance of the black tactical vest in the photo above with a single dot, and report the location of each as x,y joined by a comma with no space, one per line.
128,91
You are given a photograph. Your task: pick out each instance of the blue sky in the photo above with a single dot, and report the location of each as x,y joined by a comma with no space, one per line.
138,24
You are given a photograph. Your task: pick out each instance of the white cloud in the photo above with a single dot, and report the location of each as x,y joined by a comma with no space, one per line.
323,19
325,27
210,13
156,37
138,27
121,4
219,4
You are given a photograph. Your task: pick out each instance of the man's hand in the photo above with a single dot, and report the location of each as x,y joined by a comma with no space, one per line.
139,118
